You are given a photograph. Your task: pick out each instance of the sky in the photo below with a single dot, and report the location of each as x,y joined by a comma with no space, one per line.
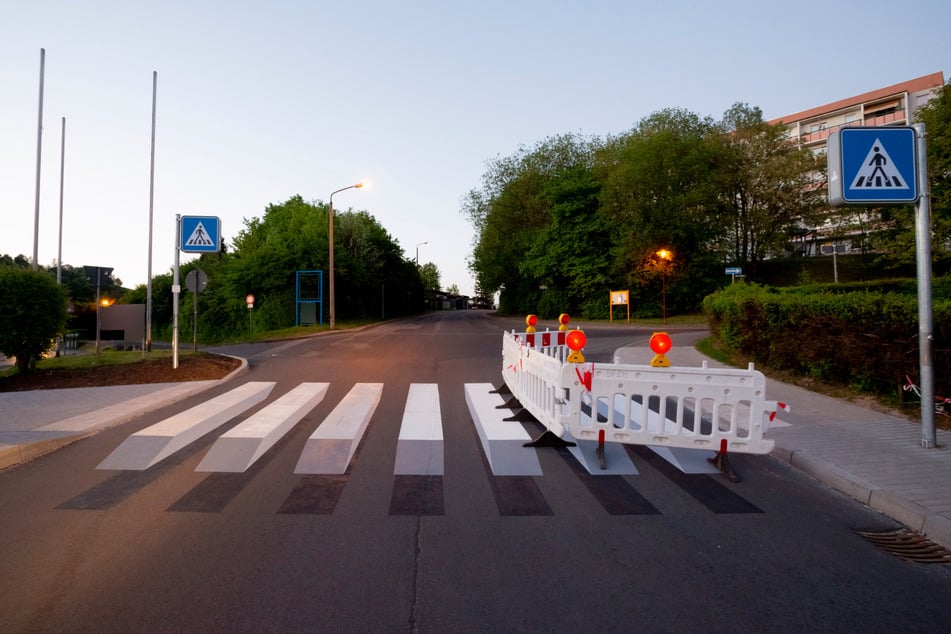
261,101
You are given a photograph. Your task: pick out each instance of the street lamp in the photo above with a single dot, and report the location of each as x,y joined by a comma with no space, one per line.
666,257
333,314
419,244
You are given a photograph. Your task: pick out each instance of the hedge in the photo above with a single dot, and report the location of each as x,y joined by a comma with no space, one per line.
863,335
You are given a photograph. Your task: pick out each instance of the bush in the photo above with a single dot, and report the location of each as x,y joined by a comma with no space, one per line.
32,314
861,336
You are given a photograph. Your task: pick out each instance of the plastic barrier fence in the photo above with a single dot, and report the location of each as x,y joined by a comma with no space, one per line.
718,409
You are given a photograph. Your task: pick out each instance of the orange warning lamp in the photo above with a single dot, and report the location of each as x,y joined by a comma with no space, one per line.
530,321
563,320
661,344
575,340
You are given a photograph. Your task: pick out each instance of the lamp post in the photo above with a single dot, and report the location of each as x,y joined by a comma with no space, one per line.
333,314
665,258
419,244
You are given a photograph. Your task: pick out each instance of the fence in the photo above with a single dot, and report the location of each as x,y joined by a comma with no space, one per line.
720,409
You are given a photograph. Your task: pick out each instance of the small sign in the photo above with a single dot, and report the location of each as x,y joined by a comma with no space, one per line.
200,234
734,270
196,280
873,166
250,300
619,298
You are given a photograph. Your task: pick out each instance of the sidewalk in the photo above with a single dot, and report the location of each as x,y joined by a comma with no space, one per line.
873,457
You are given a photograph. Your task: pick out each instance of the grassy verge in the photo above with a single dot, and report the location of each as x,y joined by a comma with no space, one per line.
86,359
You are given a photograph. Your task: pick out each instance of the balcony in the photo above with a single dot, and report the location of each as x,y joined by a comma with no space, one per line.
872,119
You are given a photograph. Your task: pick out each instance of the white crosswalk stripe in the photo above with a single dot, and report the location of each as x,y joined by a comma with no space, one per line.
419,450
145,448
240,447
331,447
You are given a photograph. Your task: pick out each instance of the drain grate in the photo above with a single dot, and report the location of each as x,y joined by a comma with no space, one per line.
909,545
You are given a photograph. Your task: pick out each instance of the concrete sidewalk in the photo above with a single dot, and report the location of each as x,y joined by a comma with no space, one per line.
872,457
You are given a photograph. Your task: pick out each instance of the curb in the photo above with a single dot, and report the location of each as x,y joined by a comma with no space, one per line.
13,455
916,517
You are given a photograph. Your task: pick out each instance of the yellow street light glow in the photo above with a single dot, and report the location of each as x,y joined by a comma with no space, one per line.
664,254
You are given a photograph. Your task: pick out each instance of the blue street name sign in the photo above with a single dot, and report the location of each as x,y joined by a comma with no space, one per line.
734,270
873,166
200,234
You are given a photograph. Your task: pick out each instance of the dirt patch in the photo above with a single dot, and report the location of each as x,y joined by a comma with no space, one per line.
200,367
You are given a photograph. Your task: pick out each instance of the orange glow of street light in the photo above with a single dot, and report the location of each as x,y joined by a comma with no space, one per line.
664,254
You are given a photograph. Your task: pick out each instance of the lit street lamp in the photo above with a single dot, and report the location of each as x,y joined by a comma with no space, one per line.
333,314
418,244
666,258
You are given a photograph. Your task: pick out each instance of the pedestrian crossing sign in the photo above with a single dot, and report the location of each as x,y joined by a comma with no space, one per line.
873,166
200,234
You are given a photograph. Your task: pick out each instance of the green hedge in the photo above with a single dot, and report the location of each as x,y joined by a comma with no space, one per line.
864,335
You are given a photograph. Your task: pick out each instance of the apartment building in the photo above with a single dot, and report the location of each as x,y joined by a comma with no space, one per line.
889,106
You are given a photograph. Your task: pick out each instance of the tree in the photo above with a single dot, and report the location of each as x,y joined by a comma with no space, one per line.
897,237
32,314
513,218
660,191
429,274
765,184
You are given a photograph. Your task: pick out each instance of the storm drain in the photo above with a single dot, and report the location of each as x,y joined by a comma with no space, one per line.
909,545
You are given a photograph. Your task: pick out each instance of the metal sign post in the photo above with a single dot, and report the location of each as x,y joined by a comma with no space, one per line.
193,234
871,166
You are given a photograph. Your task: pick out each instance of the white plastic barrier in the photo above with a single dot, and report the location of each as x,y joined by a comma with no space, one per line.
718,409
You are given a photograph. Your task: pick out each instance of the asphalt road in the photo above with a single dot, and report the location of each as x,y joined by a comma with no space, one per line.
268,550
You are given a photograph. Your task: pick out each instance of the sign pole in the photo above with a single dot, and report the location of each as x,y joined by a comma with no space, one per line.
925,326
176,289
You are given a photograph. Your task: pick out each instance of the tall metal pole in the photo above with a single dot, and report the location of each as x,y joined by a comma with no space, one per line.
929,438
62,170
39,153
148,282
330,231
333,311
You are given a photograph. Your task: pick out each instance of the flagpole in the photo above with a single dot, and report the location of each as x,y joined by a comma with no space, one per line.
39,153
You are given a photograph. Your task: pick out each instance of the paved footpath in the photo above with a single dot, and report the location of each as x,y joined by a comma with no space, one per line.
873,457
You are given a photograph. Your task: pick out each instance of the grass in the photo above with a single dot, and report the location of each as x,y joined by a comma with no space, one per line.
89,359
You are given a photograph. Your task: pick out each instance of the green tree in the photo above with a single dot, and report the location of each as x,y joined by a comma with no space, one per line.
660,192
513,214
32,314
897,237
766,185
429,274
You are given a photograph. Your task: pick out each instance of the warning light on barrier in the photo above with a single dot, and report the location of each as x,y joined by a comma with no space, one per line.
575,340
563,320
530,321
661,344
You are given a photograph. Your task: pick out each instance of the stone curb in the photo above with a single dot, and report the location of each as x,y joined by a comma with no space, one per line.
12,455
916,517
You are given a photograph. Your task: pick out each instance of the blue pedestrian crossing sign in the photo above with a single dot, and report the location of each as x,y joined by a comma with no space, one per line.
200,234
873,166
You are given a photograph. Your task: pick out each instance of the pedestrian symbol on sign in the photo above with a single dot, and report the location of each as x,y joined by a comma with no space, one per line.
878,171
199,237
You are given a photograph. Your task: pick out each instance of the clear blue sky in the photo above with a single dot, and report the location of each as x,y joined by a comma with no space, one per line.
259,101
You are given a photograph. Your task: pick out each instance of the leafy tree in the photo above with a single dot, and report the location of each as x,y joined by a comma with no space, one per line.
897,237
32,314
765,184
660,191
429,273
513,217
